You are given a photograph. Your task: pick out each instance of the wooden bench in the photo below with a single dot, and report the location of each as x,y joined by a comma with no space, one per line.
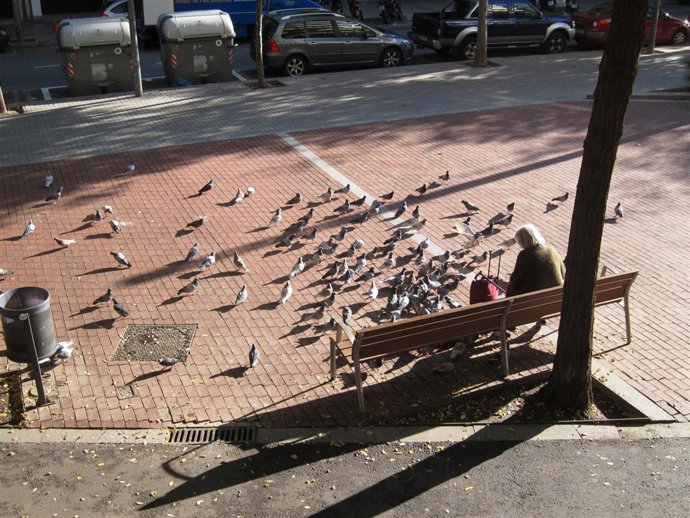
396,338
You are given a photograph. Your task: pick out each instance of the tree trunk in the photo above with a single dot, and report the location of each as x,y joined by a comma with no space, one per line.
259,45
570,386
480,59
655,24
3,106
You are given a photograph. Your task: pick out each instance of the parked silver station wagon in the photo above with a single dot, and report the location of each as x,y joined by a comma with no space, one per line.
298,40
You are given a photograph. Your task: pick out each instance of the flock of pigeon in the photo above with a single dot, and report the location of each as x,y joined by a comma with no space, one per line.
409,278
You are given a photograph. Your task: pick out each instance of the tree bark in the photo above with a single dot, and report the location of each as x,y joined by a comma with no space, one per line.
259,45
480,59
570,386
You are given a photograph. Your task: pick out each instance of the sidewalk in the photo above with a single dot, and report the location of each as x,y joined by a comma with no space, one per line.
506,133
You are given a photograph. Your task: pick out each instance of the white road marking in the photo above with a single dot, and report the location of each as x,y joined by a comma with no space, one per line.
239,76
46,94
47,66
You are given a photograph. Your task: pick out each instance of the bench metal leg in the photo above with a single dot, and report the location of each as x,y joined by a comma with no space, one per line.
504,353
628,330
333,353
360,388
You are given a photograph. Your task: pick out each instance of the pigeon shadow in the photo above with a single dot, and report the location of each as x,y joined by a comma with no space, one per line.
101,235
195,195
102,270
13,238
220,275
258,229
298,329
351,287
330,217
223,309
271,253
356,307
313,204
80,227
227,204
148,375
189,275
549,207
308,340
41,204
401,361
89,218
611,221
171,300
106,323
278,280
526,336
85,311
266,306
310,305
451,235
47,252
183,232
233,372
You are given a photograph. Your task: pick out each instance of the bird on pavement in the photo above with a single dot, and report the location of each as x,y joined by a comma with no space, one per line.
198,222
239,196
311,235
29,229
208,261
373,290
297,198
618,209
445,176
254,356
388,196
4,272
106,297
107,209
121,259
510,207
115,226
239,262
98,217
287,241
189,289
241,295
401,210
48,180
65,242
470,207
328,195
415,213
56,195
65,350
193,252
362,218
423,189
343,190
359,202
285,293
478,259
562,198
344,208
168,361
130,167
250,192
206,187
120,309
297,268
277,216
346,314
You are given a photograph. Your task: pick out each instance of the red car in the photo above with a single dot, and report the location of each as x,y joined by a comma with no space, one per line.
592,27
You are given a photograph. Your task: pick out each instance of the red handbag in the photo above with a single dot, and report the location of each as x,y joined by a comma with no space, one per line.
484,288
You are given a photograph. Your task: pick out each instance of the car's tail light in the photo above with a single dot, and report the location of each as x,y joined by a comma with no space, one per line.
272,46
601,25
104,14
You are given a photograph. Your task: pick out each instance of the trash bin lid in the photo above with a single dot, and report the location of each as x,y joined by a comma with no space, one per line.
195,24
92,32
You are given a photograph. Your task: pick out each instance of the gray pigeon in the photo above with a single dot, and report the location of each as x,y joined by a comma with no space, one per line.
347,314
362,218
241,295
618,209
121,259
297,198
48,180
56,195
239,262
254,356
198,222
115,225
401,210
340,235
208,261
562,198
106,297
469,206
120,309
130,167
445,176
359,202
107,209
168,361
189,289
206,187
4,272
193,252
287,241
388,196
311,235
344,208
98,216
343,190
277,216
29,229
285,293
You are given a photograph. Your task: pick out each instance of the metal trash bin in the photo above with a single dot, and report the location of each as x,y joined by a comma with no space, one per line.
196,47
34,302
96,55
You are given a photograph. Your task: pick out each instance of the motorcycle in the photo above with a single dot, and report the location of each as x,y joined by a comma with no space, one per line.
390,11
355,9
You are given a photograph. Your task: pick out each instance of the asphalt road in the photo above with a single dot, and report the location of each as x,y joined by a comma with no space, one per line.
535,478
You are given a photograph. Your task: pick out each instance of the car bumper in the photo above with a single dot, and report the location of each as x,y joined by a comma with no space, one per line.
590,38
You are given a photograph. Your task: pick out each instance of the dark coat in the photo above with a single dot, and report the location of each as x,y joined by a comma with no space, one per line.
536,268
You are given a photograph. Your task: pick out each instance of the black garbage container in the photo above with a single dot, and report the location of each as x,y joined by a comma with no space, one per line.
35,303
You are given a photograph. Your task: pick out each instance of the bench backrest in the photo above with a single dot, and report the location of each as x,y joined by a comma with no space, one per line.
427,330
536,305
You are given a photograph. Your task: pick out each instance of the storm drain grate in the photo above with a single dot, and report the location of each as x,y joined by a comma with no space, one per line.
242,434
151,342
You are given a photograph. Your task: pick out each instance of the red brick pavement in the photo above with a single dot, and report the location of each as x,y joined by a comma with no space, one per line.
527,155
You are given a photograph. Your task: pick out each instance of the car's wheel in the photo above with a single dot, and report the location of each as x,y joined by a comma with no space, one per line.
679,38
391,57
295,65
468,48
556,43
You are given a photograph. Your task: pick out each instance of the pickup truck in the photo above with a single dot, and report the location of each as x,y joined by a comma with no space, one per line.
510,23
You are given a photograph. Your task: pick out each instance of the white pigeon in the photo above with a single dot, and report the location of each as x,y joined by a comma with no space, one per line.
328,195
507,243
29,229
464,229
4,272
298,268
48,180
241,295
277,216
107,209
208,261
373,290
116,226
250,192
65,242
65,349
239,262
238,197
285,293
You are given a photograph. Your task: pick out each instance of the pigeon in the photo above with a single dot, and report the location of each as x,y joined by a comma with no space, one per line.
376,206
198,222
343,190
239,263
65,350
316,315
106,297
328,302
193,252
297,268
314,258
311,235
287,241
469,206
115,225
120,309
397,236
505,221
423,189
328,195
561,198
478,259
206,187
48,180
389,262
29,229
328,247
56,195
277,216
121,259
347,314
373,290
358,244
4,272
497,253
98,217
361,263
168,361
297,227
308,216
297,198
241,295
359,202
189,289
326,326
238,197
507,243
107,209
344,208
362,218
65,242
388,196
340,235
347,276
423,245
488,231
327,291
285,293
130,167
401,210
445,176
208,261
331,271
510,207
618,209
250,192
254,356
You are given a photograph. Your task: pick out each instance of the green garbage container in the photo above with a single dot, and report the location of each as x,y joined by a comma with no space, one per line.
21,308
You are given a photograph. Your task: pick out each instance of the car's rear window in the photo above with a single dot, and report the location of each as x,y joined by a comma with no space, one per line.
320,29
270,26
294,30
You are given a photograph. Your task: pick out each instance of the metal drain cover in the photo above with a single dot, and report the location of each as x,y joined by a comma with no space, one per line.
202,435
151,342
